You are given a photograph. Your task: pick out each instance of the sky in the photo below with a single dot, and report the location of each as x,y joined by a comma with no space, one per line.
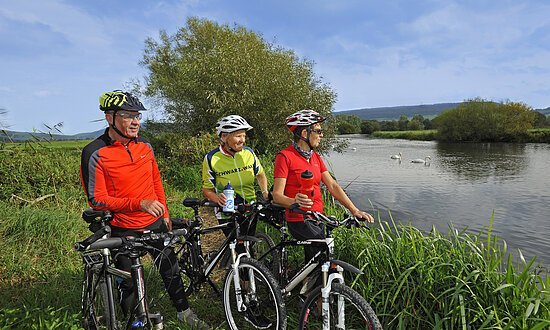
57,57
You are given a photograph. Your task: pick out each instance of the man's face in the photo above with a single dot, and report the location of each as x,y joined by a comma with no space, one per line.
235,140
127,122
315,135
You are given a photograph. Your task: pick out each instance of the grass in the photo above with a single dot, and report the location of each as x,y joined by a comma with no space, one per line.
413,280
534,135
424,135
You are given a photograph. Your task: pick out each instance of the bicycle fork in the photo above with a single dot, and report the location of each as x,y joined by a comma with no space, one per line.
325,296
251,284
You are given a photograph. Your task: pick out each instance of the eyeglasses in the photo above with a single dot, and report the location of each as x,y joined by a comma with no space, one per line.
318,131
129,116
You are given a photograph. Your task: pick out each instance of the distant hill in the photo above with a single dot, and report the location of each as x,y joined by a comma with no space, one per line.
391,113
25,136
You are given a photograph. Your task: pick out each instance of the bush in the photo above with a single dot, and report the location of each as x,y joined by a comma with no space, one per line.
479,120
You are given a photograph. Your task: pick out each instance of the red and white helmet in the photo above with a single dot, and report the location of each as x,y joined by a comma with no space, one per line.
303,118
232,123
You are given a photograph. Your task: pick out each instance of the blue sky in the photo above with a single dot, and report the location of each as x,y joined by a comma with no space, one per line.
57,57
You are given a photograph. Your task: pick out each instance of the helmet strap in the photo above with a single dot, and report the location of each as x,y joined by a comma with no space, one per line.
113,126
306,139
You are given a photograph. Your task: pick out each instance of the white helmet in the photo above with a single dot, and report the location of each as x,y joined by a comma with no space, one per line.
303,118
232,124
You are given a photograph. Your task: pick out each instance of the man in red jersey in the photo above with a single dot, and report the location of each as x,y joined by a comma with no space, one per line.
119,173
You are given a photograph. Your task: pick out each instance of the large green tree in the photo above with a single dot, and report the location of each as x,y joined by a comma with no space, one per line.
207,70
482,120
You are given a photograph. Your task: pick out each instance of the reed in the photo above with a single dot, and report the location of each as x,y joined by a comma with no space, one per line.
454,281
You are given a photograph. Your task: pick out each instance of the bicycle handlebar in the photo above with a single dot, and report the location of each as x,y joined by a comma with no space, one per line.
95,243
314,216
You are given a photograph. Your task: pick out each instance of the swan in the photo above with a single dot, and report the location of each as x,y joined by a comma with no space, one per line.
398,156
353,149
421,161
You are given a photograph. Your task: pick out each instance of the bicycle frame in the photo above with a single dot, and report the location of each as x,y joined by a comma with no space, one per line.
208,265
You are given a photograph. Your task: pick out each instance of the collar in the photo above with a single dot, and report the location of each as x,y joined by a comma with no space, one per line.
304,153
226,153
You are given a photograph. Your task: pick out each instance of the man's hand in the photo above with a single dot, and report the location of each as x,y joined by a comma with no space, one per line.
363,215
153,207
168,223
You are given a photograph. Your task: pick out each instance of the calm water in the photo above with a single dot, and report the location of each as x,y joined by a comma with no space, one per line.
463,185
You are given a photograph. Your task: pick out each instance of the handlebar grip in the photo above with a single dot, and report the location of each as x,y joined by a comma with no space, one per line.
295,208
108,243
81,246
209,203
180,232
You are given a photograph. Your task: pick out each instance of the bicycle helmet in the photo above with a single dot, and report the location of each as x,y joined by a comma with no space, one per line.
303,118
119,100
232,124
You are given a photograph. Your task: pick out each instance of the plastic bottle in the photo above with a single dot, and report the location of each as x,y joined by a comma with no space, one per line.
307,184
229,193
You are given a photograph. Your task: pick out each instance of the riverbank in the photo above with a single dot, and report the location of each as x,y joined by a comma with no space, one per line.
535,135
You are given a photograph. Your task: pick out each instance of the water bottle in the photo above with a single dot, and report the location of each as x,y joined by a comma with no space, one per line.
306,183
229,193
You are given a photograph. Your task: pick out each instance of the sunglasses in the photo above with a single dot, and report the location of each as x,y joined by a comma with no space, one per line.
318,131
129,116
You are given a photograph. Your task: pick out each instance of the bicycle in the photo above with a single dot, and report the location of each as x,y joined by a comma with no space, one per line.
250,295
99,310
332,304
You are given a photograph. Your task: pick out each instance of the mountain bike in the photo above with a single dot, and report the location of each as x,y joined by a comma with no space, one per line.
250,294
332,305
99,296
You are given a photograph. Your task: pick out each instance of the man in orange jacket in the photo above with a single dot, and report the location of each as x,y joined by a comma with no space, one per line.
119,173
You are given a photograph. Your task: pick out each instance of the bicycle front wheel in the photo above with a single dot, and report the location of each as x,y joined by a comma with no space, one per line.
263,306
95,302
263,252
347,310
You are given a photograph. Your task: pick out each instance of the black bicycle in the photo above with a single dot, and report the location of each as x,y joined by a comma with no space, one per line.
332,305
250,294
100,309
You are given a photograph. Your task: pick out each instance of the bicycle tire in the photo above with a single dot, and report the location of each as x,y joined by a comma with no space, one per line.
265,303
95,303
271,260
358,313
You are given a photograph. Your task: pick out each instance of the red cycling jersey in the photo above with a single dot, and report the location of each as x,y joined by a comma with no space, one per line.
118,177
289,165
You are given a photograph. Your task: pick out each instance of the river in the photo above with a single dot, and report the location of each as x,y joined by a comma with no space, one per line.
462,185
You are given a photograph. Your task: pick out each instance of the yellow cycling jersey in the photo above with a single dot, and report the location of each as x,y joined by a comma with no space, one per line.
219,167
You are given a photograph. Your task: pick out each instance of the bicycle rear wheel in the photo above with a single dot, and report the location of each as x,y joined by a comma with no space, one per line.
96,313
259,250
265,308
347,310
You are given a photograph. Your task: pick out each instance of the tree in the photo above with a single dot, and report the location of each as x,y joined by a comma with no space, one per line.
482,120
370,126
403,122
206,70
540,120
347,124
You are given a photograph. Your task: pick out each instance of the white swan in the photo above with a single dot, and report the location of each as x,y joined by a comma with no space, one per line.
353,149
398,156
422,161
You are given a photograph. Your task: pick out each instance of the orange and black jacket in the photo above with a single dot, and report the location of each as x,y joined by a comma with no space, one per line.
117,178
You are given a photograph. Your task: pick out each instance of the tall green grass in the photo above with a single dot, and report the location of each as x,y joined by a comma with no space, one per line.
415,280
